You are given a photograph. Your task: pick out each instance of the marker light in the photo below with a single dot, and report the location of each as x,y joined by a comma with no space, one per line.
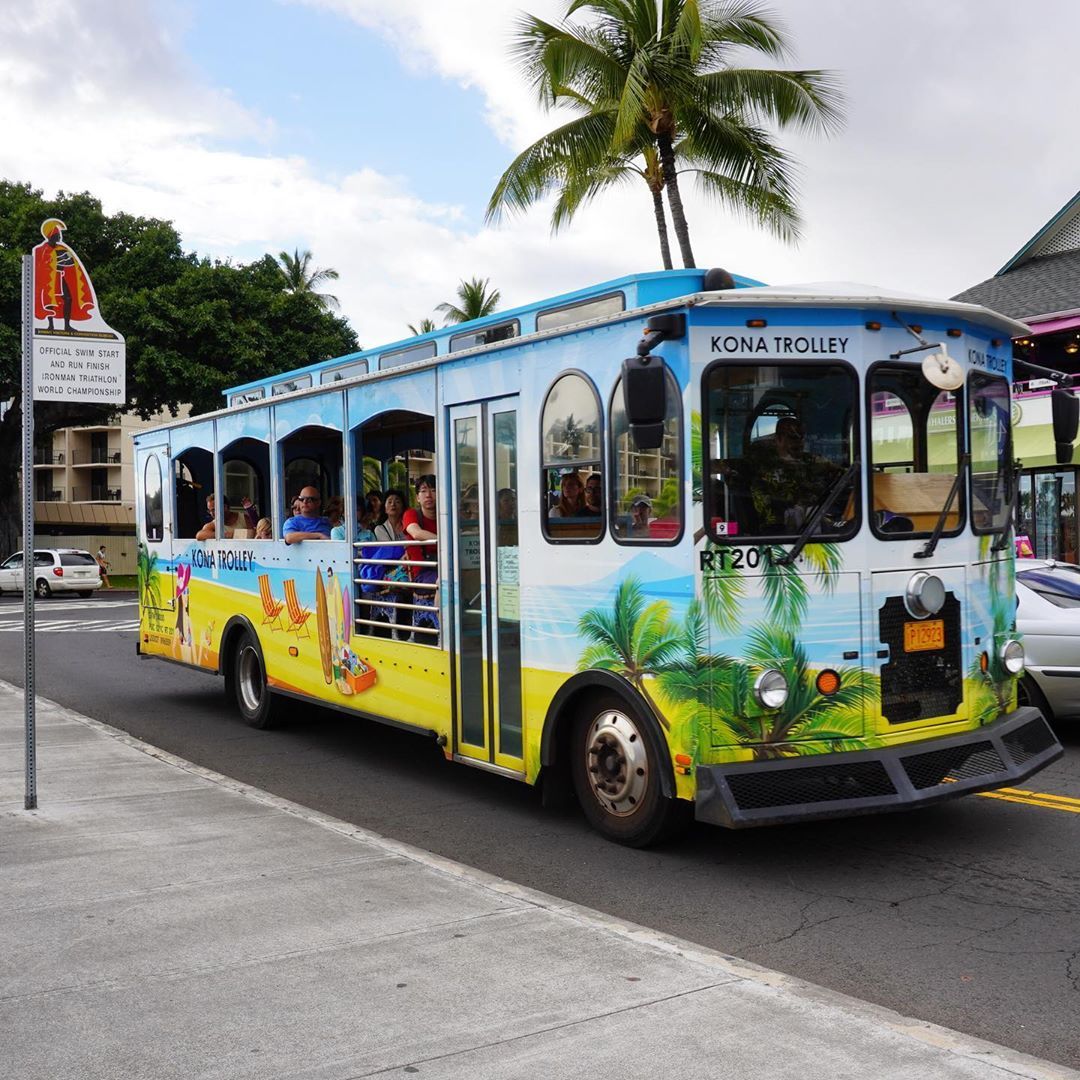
873,326
1012,657
954,333
984,662
925,595
828,682
756,324
771,689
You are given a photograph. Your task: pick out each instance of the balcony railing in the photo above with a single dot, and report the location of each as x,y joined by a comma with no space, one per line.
48,495
47,457
96,456
95,494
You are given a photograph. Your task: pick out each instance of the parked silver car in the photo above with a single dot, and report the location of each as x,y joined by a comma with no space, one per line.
1048,615
55,570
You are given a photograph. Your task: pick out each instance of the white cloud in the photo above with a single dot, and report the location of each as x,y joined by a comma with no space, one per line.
958,147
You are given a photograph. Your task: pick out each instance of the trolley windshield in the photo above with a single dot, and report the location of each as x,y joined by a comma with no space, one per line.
779,442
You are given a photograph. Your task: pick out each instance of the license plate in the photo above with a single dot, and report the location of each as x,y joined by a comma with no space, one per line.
921,636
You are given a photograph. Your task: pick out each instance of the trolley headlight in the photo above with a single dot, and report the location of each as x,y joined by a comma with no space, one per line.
771,689
1012,657
925,595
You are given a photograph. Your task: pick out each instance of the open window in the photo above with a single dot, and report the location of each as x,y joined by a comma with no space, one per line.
193,482
646,505
245,467
153,506
311,457
572,485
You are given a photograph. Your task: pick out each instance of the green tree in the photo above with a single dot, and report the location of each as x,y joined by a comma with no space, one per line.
301,277
631,638
474,301
193,327
424,326
659,75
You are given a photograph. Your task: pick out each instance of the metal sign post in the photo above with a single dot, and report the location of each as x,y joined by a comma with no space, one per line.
28,528
70,353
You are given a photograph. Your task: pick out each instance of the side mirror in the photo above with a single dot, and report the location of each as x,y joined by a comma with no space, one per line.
1065,410
645,399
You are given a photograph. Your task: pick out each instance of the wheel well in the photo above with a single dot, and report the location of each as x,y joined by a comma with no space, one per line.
576,694
234,630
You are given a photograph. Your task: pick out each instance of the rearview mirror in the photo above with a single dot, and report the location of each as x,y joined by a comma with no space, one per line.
1065,410
645,398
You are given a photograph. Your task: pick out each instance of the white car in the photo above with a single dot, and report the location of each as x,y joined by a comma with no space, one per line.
55,570
1048,616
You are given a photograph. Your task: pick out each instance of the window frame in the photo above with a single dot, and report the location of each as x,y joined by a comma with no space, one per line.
961,414
394,356
1009,522
292,386
582,304
613,456
544,467
453,345
362,366
149,537
854,526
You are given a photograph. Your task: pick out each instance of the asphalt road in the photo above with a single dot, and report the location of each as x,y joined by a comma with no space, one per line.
967,915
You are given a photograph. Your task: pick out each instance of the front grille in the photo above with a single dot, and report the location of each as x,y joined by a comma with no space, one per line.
813,784
920,685
1033,738
952,763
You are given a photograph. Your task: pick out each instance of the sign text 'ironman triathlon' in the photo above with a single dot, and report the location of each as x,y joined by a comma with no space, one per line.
87,371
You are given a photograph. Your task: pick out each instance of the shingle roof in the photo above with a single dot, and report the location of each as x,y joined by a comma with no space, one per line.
1046,284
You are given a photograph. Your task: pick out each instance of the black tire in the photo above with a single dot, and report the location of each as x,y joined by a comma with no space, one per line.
1028,693
42,590
248,680
616,763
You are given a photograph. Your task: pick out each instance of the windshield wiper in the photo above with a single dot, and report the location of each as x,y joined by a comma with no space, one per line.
932,543
814,519
1002,542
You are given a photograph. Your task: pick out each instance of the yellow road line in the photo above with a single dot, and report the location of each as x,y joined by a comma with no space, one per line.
1035,798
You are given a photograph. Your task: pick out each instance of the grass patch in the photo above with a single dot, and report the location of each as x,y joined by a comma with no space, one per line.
123,581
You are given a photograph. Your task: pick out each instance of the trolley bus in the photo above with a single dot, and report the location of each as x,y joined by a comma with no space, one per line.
700,548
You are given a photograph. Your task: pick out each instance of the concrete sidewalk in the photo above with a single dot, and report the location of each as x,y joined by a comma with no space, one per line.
161,920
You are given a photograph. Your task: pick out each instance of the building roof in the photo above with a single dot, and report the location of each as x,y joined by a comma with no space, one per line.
1037,286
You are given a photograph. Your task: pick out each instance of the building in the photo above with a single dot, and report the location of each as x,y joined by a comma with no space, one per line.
84,488
1040,285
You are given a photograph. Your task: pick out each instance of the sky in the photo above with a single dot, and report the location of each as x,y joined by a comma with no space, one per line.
372,132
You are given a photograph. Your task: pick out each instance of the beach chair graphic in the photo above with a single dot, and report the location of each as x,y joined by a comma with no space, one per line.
272,607
298,614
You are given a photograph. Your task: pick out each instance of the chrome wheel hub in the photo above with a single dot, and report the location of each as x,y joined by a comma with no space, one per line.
617,763
249,678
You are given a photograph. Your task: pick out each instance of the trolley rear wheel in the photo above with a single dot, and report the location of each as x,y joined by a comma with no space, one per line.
252,695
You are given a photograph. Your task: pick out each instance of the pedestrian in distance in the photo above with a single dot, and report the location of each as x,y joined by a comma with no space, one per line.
103,566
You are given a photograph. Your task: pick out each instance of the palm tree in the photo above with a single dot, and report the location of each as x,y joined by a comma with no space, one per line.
474,301
424,326
301,277
149,577
658,73
630,639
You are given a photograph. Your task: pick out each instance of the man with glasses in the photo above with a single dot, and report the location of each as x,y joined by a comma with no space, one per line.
309,524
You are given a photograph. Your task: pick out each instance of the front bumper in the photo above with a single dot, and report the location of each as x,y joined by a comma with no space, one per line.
1000,754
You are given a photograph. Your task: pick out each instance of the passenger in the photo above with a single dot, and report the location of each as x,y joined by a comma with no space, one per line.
335,514
264,529
594,486
571,500
232,519
375,506
365,520
391,531
640,515
507,517
309,524
422,524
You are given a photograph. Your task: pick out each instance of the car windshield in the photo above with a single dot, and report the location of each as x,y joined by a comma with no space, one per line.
1060,585
778,439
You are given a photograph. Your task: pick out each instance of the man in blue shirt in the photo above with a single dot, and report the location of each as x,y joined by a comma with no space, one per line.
308,524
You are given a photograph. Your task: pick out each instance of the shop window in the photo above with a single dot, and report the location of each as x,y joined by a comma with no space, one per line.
572,484
153,506
646,505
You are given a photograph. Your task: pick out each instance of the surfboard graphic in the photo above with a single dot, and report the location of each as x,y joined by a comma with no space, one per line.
322,618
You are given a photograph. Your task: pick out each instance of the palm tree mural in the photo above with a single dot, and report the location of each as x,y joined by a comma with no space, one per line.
301,277
474,300
149,578
631,638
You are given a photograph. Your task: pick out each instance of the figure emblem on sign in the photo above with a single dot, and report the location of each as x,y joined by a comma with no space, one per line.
62,289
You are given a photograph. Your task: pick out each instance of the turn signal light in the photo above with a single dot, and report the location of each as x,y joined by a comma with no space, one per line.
293,650
828,682
984,662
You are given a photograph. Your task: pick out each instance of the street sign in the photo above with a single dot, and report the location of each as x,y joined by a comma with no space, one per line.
76,355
